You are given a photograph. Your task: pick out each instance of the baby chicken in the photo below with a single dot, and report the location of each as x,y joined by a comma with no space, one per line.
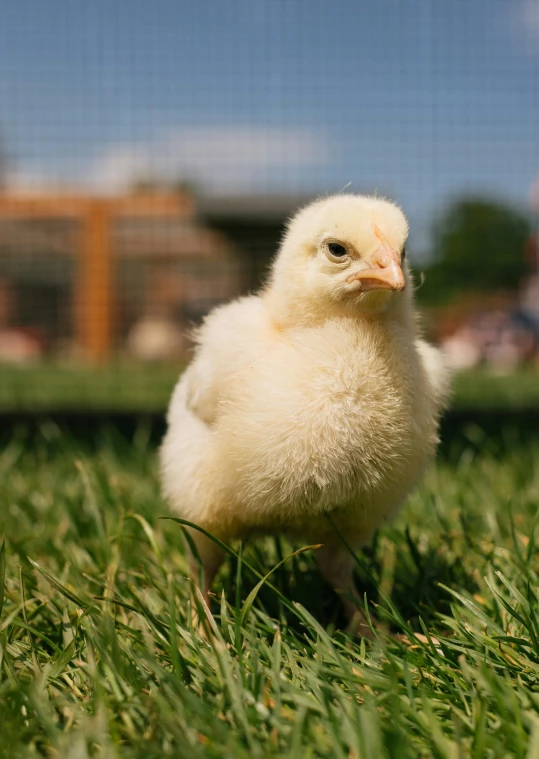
315,403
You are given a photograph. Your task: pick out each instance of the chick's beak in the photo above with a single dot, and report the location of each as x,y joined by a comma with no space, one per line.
385,272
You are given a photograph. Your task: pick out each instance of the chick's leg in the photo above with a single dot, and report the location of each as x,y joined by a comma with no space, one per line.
211,556
336,565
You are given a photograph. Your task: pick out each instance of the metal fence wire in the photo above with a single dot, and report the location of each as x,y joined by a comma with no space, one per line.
150,155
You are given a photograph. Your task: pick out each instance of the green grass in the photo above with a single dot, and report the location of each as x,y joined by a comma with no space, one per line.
483,389
119,386
99,656
142,387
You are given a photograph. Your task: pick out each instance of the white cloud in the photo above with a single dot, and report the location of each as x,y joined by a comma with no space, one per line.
527,17
220,159
27,181
519,19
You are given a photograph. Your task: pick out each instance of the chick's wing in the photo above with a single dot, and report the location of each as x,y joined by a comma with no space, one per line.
227,342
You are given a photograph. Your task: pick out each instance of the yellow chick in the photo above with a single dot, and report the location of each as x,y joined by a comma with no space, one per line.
315,398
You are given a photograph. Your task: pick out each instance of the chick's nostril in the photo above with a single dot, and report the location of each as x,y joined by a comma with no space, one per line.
383,260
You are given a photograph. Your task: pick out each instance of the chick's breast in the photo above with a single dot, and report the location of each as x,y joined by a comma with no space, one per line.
325,419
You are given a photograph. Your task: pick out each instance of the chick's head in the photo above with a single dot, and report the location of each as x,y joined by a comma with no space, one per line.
342,254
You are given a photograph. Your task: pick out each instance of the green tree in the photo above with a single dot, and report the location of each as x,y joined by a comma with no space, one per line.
479,246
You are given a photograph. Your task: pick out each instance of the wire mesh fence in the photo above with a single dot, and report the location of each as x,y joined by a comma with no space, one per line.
150,157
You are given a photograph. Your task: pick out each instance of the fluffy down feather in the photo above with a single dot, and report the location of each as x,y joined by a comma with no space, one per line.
315,397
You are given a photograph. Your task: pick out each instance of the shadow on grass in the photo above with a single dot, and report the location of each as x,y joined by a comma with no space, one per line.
415,589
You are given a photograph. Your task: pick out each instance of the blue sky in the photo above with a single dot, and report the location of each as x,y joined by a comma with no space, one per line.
419,99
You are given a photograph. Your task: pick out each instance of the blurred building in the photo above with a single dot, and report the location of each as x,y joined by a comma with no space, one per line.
254,224
82,276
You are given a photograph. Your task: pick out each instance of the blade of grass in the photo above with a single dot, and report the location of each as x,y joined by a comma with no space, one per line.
2,574
253,594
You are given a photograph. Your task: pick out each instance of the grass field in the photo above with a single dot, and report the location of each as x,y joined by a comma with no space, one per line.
143,387
122,386
99,655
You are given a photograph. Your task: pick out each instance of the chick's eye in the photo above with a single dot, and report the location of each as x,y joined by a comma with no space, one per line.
337,250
